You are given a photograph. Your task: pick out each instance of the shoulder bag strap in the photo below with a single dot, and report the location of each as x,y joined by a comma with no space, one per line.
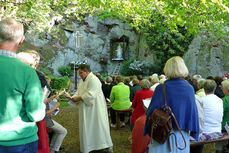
180,132
171,113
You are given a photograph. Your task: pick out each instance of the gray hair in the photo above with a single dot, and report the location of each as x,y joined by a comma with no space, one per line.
162,76
145,84
109,79
200,83
196,77
11,31
155,75
135,81
175,68
154,79
225,84
209,86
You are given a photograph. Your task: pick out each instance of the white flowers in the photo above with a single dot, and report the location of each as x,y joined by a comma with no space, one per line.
139,65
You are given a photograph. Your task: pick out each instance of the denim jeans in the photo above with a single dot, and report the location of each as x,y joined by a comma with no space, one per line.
25,148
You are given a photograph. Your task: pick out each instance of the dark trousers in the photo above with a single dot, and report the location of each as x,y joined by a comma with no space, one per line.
113,116
197,149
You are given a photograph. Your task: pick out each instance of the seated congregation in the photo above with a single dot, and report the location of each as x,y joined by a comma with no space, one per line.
200,115
196,103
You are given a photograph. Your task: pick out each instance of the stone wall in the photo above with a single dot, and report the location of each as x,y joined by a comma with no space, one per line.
92,44
207,57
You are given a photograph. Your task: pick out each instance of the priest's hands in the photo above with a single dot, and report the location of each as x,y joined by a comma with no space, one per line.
76,99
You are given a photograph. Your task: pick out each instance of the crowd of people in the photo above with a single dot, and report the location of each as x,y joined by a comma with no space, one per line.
200,105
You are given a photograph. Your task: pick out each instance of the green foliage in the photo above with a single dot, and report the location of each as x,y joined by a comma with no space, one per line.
47,72
59,83
168,24
104,76
167,44
193,14
125,69
65,71
136,67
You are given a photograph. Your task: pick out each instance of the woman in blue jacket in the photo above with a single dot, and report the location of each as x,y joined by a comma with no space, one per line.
180,97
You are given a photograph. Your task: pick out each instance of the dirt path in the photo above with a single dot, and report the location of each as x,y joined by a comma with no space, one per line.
68,117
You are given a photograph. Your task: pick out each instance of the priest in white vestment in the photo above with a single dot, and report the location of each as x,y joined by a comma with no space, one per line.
94,127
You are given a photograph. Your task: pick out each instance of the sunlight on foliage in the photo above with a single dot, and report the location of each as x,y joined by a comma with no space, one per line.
169,25
194,14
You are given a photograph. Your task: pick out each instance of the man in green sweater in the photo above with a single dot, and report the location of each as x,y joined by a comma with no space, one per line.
21,98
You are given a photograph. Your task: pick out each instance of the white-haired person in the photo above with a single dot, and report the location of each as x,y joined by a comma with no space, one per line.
162,78
155,75
200,84
154,82
213,112
59,132
180,97
43,144
138,104
195,79
21,94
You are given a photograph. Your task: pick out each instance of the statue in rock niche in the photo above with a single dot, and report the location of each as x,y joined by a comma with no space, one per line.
119,52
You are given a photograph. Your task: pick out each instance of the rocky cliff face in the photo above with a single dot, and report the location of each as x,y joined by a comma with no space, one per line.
207,57
87,41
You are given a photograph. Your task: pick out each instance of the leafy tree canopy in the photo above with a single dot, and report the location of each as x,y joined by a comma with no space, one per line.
168,24
194,14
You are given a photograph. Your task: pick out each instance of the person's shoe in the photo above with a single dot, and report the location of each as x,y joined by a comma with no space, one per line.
123,125
113,125
61,148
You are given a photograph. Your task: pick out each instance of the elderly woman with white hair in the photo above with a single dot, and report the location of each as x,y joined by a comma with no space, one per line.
200,85
43,144
32,58
180,97
154,81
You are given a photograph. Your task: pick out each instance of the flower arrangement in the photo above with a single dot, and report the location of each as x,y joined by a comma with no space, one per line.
103,60
226,76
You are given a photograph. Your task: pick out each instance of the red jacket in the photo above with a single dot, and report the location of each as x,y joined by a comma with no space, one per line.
43,141
139,142
138,105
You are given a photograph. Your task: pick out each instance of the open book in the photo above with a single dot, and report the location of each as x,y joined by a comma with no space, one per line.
70,102
54,101
146,102
51,105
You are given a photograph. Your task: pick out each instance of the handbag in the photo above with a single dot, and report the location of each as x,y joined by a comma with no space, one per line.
159,124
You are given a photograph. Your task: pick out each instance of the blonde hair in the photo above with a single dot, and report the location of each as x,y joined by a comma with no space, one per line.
26,58
36,57
225,84
11,31
175,68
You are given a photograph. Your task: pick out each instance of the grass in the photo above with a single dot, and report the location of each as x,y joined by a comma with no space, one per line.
68,117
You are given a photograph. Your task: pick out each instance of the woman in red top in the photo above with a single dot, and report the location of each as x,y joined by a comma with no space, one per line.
137,103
